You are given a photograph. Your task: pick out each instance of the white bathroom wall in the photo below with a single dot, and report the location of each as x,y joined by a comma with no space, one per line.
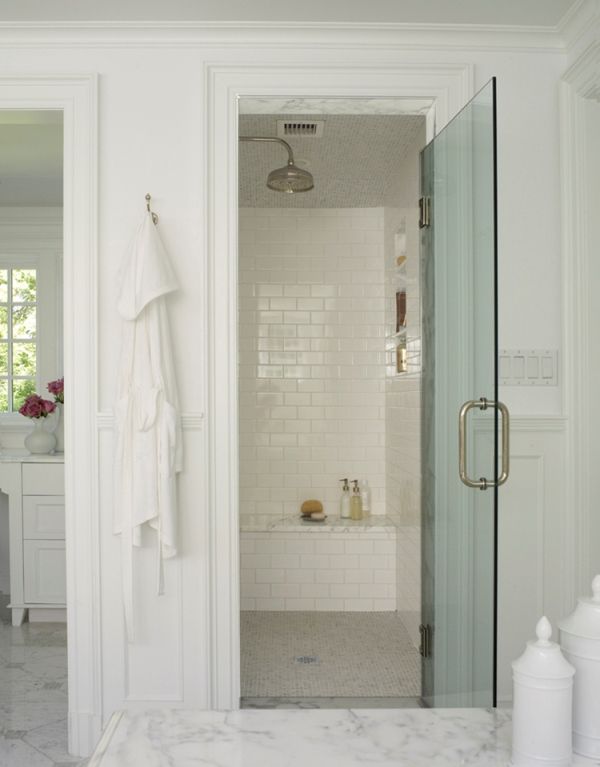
152,131
312,365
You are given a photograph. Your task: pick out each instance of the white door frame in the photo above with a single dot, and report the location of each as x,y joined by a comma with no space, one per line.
580,83
76,97
448,87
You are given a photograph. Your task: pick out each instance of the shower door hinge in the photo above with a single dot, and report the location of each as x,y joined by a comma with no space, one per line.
426,632
424,212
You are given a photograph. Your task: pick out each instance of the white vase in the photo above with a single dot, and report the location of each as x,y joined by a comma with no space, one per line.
580,642
542,703
40,441
59,429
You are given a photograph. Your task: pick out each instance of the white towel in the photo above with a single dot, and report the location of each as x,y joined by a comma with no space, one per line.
148,429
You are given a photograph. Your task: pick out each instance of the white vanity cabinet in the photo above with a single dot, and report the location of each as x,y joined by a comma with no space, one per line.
36,508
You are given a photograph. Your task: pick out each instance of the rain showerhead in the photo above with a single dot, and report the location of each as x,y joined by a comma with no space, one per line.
289,179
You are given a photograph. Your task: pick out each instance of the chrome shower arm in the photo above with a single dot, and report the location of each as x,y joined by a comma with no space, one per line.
271,138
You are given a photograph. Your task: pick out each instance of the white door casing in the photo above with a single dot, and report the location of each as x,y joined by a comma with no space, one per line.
447,87
76,97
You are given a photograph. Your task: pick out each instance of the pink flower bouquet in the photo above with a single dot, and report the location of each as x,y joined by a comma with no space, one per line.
36,407
58,389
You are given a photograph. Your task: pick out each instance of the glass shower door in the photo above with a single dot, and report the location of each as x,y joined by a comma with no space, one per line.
458,278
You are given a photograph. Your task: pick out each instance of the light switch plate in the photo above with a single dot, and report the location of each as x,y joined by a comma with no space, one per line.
528,367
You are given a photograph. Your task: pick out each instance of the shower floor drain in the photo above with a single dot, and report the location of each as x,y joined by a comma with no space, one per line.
306,659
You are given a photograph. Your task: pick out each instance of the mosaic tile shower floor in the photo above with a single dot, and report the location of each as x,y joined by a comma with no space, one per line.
33,694
341,656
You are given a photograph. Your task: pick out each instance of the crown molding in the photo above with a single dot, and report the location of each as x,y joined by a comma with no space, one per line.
581,21
584,75
117,34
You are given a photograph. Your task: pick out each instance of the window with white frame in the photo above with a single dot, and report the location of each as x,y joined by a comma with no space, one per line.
18,335
30,307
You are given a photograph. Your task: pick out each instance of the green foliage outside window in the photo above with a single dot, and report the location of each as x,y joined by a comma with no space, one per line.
18,330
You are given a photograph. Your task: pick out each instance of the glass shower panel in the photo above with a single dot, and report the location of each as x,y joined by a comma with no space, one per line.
458,252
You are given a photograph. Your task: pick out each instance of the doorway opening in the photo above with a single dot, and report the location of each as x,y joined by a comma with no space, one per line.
329,388
32,507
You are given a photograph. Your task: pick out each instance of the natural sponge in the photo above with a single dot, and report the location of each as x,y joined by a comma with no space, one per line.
311,507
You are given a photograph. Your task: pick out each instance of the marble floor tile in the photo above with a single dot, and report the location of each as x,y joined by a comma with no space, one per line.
51,740
17,753
33,694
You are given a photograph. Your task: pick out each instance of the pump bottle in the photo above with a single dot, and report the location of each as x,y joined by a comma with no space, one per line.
345,500
365,494
356,511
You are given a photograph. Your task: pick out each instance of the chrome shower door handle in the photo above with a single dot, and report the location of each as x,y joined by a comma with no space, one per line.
482,404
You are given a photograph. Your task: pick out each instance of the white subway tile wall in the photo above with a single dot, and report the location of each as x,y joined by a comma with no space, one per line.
402,424
409,579
317,298
312,357
318,571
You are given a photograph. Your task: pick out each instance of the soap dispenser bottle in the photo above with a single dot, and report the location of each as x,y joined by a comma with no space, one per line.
365,494
356,511
345,500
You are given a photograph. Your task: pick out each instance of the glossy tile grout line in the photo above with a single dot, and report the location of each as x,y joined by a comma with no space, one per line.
33,694
316,655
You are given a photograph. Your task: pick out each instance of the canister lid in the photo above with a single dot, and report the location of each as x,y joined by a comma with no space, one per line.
584,621
542,658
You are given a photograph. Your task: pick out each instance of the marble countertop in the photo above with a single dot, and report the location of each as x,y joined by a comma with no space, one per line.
316,737
375,523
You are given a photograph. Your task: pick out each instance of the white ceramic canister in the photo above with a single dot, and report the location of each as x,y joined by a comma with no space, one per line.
580,642
542,703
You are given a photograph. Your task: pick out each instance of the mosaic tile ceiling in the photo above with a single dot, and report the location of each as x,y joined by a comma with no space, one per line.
358,163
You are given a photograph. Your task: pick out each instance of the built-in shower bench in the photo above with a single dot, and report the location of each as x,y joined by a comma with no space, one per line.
339,564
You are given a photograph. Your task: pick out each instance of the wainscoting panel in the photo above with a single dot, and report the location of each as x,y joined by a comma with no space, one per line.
532,526
162,623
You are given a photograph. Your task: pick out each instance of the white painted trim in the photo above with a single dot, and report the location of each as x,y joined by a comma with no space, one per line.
107,735
580,82
329,35
189,421
579,22
76,96
537,423
448,87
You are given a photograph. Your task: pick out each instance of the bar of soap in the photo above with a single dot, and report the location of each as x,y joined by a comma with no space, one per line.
318,516
312,507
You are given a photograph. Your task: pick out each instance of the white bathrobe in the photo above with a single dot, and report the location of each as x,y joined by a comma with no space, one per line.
148,429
